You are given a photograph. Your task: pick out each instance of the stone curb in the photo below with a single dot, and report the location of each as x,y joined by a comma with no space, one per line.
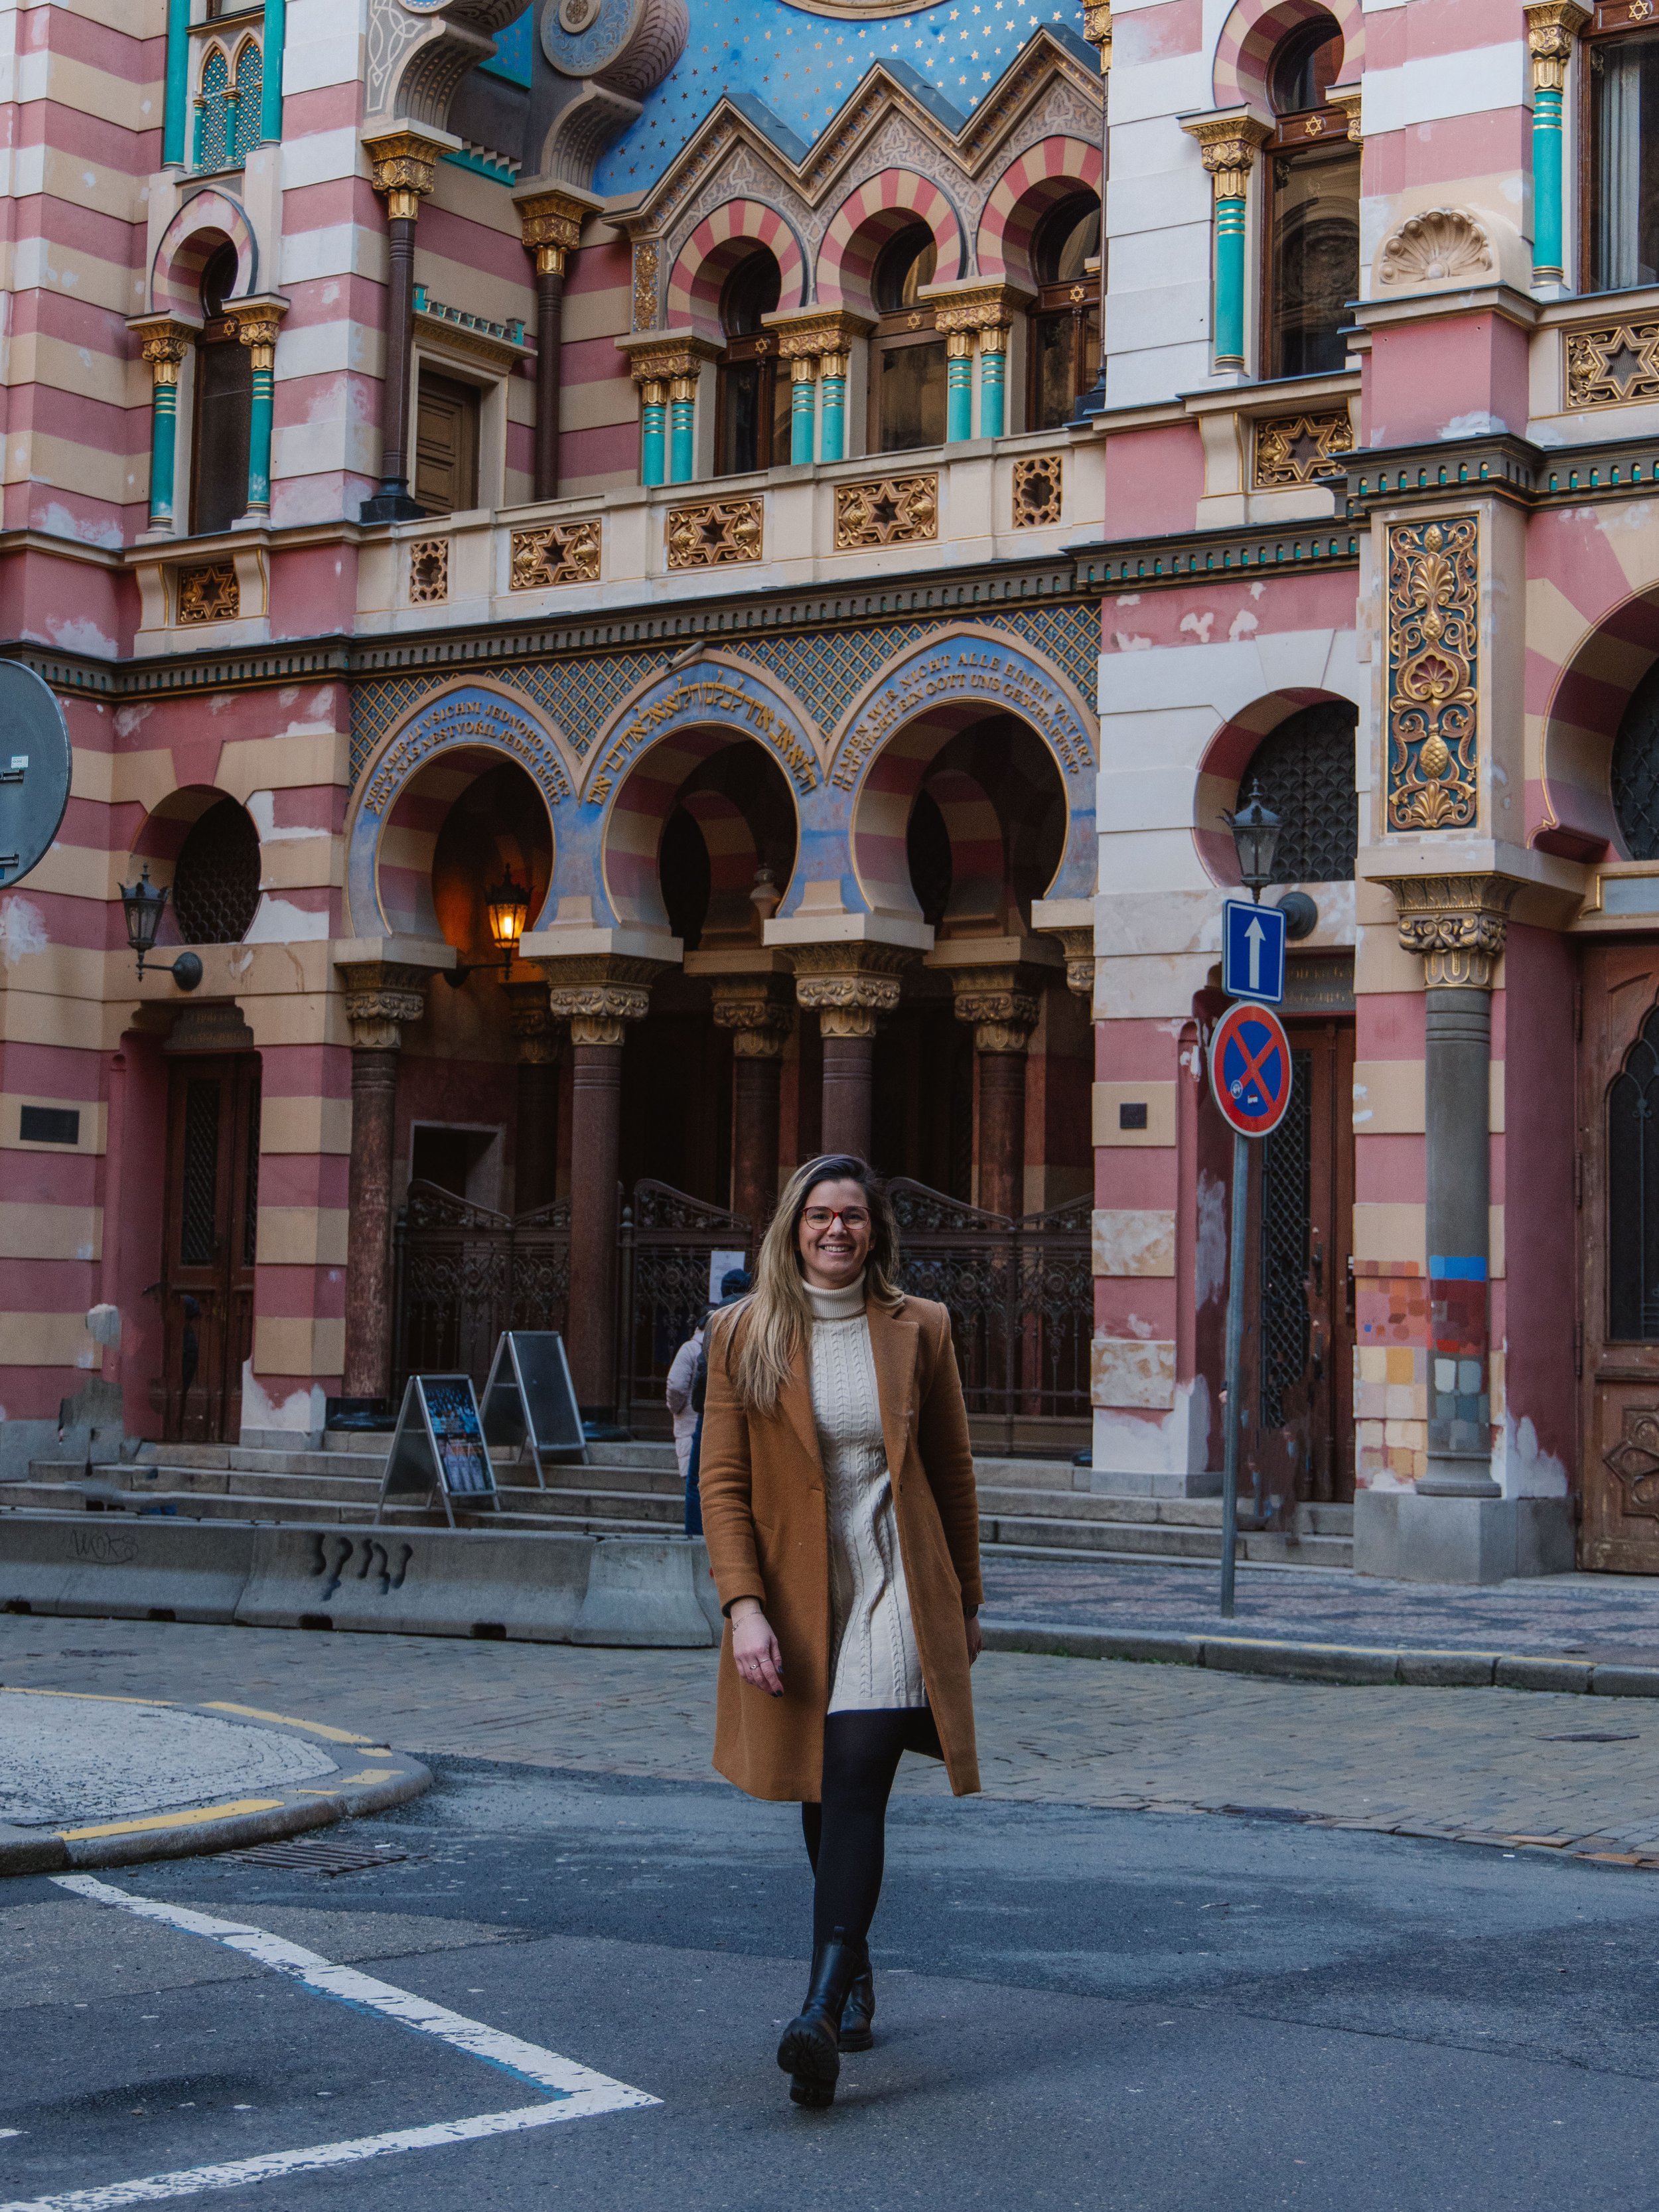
1328,1662
367,1778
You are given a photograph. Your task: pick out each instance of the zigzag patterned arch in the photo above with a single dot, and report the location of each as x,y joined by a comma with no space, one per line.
188,243
1253,31
1050,171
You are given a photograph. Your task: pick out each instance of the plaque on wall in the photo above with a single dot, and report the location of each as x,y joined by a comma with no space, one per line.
530,1401
1318,983
438,1446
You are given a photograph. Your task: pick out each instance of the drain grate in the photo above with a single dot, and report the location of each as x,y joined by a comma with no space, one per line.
320,1857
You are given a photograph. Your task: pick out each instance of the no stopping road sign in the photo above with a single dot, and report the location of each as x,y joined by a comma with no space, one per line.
1250,1069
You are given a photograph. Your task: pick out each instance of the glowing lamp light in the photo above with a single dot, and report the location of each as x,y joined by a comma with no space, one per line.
509,908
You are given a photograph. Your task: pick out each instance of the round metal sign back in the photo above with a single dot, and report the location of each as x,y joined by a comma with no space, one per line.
1250,1069
34,770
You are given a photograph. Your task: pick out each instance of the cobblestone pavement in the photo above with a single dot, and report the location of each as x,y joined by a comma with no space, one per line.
1613,1618
1560,1770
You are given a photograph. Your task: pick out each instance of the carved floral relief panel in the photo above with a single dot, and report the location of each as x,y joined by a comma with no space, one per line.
1433,673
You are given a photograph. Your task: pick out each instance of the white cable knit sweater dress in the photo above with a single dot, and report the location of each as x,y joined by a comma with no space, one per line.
874,1661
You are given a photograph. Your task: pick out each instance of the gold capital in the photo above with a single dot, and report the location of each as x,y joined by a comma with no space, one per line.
404,166
1552,27
1457,923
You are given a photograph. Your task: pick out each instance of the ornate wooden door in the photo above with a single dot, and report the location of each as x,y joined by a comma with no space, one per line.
1299,1330
207,1267
1618,1168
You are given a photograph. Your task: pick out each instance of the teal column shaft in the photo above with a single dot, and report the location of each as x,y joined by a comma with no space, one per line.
1229,284
270,96
803,419
258,441
652,444
832,414
959,399
163,442
993,388
1547,263
175,109
682,439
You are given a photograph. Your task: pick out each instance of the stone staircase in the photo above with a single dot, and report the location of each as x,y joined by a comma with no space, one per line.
1034,1507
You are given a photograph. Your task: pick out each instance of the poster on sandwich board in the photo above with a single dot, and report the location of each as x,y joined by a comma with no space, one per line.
438,1446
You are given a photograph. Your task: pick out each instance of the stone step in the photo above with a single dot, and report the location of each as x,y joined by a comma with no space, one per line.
1148,1540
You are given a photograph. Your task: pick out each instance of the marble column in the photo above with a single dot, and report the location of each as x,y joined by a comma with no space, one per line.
257,322
848,985
759,1019
550,224
537,1038
166,341
404,164
381,998
1003,1009
1552,27
1227,143
598,996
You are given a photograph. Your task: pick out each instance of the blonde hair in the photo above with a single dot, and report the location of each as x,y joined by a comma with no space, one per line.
777,1318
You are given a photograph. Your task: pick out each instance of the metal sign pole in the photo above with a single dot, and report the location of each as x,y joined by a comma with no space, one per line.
1235,1366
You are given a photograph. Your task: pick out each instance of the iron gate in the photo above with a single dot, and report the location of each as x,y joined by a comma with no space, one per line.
465,1273
669,1240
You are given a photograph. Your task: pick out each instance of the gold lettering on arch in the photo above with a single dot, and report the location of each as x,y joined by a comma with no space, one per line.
709,695
495,724
940,675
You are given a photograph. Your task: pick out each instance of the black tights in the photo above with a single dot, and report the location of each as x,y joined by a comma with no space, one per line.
845,1832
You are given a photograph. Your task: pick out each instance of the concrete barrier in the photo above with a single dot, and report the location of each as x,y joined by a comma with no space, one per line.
94,1566
418,1582
645,1593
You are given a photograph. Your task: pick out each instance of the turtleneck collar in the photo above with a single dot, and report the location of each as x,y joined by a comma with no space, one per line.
836,1305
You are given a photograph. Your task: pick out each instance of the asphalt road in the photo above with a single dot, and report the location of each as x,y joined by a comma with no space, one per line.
1076,2008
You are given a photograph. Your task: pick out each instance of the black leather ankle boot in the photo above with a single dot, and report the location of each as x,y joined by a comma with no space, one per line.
811,2048
859,2013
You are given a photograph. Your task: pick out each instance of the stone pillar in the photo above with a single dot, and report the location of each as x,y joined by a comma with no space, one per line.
550,224
665,366
975,315
166,343
256,325
598,996
816,343
1552,27
759,1020
536,1139
847,985
403,164
175,107
1003,1010
803,409
1227,142
959,346
379,998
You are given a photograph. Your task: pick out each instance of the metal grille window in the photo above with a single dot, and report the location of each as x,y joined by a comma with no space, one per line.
1633,1192
198,1210
249,87
1286,1201
1636,771
215,885
1306,770
213,113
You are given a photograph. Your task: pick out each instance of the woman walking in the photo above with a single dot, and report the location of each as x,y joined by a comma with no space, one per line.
843,1535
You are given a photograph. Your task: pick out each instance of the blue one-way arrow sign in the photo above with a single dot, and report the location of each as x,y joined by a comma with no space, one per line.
1253,951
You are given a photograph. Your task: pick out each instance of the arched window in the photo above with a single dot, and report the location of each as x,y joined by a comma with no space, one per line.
1306,771
1066,320
224,403
213,116
906,355
1312,209
1636,771
215,882
1633,1192
1623,199
752,426
250,91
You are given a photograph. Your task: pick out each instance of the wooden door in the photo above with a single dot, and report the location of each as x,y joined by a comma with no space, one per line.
1618,1175
445,445
206,1270
1299,1327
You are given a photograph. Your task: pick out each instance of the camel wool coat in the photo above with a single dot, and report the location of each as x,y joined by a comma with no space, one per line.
765,1516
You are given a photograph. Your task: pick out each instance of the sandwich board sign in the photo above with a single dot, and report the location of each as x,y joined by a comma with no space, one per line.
438,1446
530,1399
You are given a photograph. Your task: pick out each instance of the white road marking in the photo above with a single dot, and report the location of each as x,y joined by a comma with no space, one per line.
279,2165
528,2062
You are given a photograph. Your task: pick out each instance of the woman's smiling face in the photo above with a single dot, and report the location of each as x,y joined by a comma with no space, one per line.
833,1235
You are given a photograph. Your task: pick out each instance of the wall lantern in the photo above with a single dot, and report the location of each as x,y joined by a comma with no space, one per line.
1255,829
142,906
509,908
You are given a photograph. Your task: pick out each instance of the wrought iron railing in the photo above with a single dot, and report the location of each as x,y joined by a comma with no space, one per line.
668,1244
465,1273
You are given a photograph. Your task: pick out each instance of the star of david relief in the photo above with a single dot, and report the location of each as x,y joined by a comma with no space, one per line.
1625,367
1634,1462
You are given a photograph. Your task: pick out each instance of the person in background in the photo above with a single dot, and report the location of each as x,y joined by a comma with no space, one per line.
735,1284
682,1374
